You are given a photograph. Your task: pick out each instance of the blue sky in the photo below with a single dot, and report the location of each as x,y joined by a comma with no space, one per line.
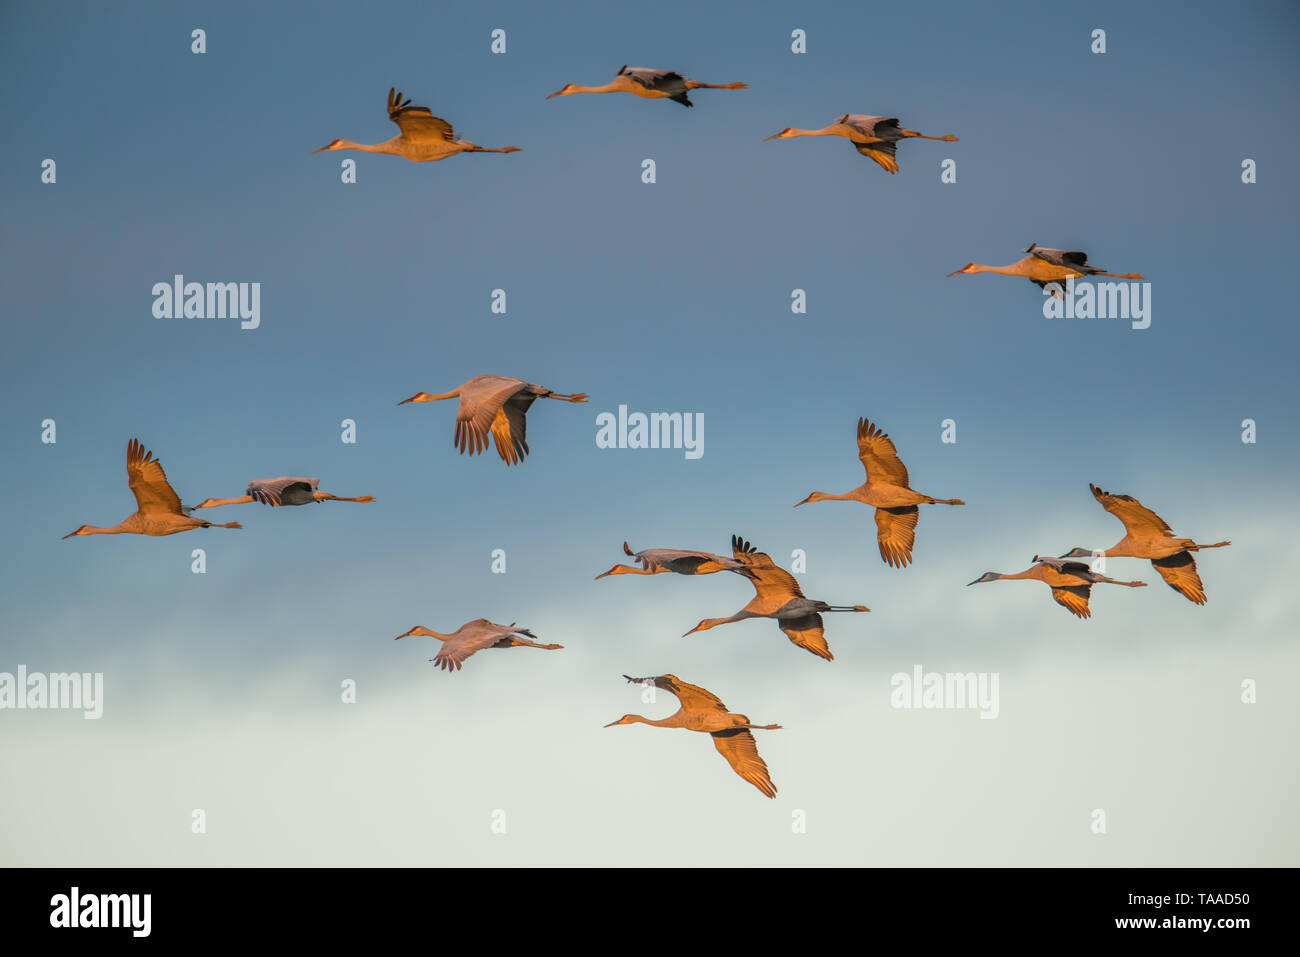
666,297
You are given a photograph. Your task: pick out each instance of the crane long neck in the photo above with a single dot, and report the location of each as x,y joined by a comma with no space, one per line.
1028,573
628,570
214,502
1017,576
614,86
657,722
708,623
385,147
1011,270
421,632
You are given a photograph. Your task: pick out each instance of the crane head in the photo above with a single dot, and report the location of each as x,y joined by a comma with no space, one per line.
1079,553
785,133
812,497
986,577
626,719
331,145
969,267
566,90
80,531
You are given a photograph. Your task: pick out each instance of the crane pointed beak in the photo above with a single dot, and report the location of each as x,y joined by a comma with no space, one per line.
421,397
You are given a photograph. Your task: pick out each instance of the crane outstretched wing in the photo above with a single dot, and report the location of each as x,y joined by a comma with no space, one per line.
808,633
481,402
672,84
685,562
144,473
737,745
879,457
509,429
767,577
1074,598
868,129
1137,518
1179,571
274,492
882,153
1069,258
896,534
875,137
417,120
692,697
454,651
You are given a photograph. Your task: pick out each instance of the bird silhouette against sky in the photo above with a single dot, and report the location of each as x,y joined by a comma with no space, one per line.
887,489
704,711
649,84
1149,536
158,507
425,138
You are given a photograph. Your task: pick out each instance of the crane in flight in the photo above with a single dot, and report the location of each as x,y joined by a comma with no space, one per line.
1149,536
494,405
1071,582
875,137
655,561
704,711
287,490
475,636
1044,266
158,507
887,489
425,138
649,84
777,595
